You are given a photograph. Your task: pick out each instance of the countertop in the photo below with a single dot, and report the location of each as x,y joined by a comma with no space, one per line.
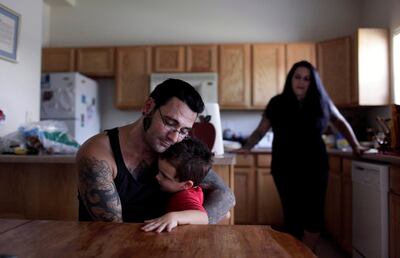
368,157
226,159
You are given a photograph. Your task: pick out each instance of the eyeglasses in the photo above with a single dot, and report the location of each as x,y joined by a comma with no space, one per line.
170,124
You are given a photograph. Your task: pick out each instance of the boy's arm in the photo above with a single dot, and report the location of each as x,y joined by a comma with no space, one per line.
175,218
218,198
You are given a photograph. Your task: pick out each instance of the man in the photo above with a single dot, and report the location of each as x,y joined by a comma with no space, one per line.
117,168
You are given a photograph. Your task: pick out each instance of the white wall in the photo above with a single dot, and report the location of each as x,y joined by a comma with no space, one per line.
125,22
20,82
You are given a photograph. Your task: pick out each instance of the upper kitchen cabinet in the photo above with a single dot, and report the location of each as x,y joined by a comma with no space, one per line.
234,76
336,69
95,61
132,75
58,60
169,59
268,63
356,74
201,58
296,52
372,66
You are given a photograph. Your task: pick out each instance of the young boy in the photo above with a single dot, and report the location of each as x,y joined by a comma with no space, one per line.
180,169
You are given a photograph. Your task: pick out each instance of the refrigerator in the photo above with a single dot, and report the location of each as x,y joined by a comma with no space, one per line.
73,99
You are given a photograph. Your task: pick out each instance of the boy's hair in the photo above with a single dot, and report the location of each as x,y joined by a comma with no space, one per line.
180,89
191,158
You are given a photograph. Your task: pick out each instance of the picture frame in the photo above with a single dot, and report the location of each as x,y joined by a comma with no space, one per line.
9,33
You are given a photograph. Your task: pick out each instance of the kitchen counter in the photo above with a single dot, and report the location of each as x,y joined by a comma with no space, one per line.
388,157
226,159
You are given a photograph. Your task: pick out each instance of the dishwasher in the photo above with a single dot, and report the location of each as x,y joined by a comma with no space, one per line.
370,183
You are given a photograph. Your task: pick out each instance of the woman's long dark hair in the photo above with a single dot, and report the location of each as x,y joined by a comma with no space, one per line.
316,101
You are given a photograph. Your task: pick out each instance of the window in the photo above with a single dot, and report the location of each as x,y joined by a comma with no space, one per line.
396,65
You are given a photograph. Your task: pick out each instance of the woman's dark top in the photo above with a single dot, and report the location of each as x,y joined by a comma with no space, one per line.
297,145
140,197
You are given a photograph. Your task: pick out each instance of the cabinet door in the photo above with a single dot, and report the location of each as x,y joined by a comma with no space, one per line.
234,76
245,195
169,59
201,58
268,72
269,209
346,206
58,60
336,69
373,66
226,173
296,52
95,61
132,76
394,225
333,199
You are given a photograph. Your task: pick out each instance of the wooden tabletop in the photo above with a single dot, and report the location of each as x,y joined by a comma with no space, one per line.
41,238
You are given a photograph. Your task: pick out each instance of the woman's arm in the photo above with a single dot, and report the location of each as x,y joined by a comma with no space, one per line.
344,128
257,134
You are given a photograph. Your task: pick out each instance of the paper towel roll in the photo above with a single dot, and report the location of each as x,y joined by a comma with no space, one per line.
212,109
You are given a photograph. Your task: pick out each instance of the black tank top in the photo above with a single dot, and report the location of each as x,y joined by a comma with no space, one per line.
140,197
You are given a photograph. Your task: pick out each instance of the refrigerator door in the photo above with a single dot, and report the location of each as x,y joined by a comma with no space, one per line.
57,96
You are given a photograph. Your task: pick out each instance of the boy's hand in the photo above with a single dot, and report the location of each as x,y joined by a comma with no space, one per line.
166,222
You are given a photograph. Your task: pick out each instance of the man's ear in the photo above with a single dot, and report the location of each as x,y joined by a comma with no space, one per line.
148,106
188,184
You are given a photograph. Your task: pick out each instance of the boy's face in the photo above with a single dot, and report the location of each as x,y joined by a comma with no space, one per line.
166,177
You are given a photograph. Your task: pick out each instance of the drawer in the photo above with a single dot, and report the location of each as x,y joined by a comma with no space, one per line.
245,160
264,160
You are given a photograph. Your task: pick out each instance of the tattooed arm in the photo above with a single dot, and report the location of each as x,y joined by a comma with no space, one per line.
218,198
97,189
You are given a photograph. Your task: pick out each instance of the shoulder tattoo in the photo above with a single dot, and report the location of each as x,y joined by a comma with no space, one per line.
98,191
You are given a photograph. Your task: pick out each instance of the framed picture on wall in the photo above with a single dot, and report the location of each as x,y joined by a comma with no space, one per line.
9,32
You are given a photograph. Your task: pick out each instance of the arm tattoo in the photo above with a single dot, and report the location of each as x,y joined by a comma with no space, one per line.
98,191
218,198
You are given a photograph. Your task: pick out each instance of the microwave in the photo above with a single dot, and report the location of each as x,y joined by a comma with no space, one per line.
205,83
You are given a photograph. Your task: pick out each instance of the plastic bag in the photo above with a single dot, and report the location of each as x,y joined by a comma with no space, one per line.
50,136
10,142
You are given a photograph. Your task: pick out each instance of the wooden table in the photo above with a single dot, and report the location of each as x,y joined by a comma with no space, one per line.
44,238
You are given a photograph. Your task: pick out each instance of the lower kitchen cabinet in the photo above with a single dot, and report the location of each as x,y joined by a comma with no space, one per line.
394,212
346,236
257,200
333,209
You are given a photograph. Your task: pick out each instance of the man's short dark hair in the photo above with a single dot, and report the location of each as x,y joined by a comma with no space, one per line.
180,89
191,158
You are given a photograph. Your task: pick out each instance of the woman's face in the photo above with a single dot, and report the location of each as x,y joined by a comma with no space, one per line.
301,82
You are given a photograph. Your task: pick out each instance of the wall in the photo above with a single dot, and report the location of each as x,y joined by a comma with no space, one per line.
139,22
20,82
126,22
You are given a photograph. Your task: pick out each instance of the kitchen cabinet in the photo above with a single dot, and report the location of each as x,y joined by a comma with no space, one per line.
202,58
132,75
333,207
268,73
95,61
335,64
169,59
394,212
58,60
269,208
244,185
234,76
355,70
300,51
347,218
257,200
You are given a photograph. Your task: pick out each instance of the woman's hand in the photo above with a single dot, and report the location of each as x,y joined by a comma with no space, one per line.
359,150
166,222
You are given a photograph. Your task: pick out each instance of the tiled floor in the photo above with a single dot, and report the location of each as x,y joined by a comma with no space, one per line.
326,248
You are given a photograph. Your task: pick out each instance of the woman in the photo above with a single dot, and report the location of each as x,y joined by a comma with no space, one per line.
298,117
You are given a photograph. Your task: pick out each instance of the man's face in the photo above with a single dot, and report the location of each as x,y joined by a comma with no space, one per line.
170,124
166,177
